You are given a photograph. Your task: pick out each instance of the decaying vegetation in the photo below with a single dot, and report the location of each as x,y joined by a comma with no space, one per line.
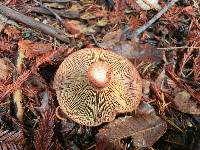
161,38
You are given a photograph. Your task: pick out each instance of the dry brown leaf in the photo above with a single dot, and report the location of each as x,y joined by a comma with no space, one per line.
145,131
110,39
185,104
130,49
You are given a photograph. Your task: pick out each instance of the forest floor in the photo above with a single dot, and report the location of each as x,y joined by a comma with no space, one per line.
162,39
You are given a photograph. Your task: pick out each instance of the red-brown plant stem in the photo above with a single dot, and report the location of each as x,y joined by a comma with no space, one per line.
141,29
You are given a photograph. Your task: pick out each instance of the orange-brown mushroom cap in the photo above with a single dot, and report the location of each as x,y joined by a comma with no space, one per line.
91,99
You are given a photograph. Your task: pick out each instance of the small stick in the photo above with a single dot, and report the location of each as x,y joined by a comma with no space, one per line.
51,10
8,12
64,14
141,29
95,41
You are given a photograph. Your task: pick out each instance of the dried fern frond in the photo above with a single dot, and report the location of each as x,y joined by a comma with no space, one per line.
12,140
43,135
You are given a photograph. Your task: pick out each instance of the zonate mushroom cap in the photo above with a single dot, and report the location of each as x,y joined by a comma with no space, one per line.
93,85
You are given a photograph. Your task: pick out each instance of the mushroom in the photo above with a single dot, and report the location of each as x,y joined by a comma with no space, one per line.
93,85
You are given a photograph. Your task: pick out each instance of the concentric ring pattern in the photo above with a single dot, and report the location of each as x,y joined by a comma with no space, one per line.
89,105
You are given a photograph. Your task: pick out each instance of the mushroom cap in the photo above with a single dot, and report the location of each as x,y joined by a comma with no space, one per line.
80,97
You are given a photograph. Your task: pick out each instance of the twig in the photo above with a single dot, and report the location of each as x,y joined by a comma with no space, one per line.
141,29
95,41
51,10
8,12
64,14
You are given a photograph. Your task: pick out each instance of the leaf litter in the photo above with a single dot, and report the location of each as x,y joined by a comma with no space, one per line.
167,55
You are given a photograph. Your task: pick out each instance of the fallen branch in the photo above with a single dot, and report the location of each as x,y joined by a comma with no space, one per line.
52,11
141,29
8,12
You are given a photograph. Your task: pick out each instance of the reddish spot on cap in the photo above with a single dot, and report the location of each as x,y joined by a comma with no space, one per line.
99,74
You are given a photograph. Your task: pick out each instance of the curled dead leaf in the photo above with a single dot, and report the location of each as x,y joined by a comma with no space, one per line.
110,39
145,131
143,52
130,49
